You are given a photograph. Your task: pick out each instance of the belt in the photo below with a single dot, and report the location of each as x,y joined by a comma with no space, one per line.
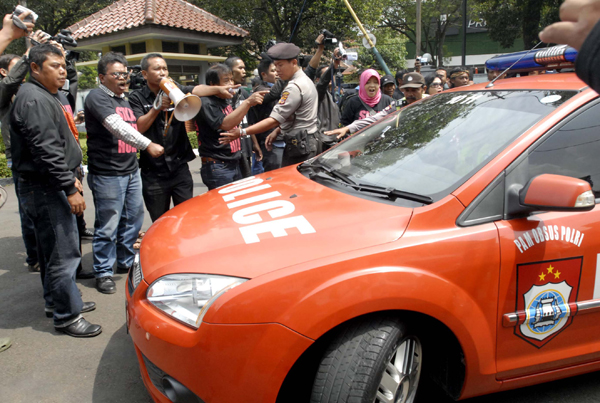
206,160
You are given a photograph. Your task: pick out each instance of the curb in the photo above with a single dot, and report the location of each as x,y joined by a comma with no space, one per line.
6,181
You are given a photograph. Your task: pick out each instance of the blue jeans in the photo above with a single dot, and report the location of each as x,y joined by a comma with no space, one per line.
27,230
119,218
56,231
217,174
257,166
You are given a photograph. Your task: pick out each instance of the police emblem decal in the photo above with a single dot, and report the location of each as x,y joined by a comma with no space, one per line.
546,293
284,97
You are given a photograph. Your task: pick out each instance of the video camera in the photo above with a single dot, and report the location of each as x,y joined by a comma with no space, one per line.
136,80
329,38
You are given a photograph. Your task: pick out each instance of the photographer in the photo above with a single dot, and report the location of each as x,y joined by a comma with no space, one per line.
13,70
328,112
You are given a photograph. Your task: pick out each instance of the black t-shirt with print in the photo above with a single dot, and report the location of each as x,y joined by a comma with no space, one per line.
107,155
208,121
354,109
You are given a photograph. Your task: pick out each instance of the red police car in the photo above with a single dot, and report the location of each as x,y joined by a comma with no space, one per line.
454,241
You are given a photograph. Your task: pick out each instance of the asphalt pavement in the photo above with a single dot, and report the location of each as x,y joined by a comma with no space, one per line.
45,366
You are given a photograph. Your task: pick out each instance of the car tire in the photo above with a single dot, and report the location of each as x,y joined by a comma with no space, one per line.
372,360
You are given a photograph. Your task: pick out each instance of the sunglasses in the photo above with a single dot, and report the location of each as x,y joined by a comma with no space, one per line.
120,74
436,85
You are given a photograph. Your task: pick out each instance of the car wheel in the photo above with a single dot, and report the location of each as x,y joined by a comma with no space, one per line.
374,360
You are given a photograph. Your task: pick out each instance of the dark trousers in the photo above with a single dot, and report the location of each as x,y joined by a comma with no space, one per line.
27,230
312,145
271,159
220,173
159,190
56,232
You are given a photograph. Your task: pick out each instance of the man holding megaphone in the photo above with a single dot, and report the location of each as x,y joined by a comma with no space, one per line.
161,108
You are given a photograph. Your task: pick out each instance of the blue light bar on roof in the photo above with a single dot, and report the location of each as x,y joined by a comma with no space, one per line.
556,57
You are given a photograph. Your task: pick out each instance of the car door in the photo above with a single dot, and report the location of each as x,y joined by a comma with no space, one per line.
550,264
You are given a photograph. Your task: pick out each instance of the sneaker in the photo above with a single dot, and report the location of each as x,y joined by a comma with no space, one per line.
87,234
34,268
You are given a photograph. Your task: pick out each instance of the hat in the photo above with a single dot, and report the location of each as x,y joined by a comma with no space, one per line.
284,51
387,79
413,80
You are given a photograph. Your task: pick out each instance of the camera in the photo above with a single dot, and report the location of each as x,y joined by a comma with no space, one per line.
136,80
329,38
20,10
65,38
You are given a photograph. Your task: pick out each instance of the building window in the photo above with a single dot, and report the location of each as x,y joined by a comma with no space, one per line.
139,47
191,48
170,47
118,49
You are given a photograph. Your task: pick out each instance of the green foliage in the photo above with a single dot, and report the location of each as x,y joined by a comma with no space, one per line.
509,20
84,152
2,146
400,16
87,79
5,171
54,15
193,139
391,47
276,19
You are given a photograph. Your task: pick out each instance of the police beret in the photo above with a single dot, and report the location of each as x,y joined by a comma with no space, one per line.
284,51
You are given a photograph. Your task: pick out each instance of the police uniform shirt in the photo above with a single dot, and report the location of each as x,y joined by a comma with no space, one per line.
297,110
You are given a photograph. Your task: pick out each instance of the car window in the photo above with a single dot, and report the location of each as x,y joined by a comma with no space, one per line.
573,150
432,147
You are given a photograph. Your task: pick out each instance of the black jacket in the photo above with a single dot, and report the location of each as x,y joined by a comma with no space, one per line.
44,149
587,65
8,88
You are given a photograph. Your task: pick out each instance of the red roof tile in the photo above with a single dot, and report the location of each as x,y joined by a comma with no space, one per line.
126,14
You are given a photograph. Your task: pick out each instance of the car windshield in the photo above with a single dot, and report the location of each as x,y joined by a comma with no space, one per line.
432,147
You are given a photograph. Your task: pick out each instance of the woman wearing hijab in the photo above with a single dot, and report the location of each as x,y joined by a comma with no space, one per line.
369,101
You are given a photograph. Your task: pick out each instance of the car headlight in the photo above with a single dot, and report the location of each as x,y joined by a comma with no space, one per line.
187,297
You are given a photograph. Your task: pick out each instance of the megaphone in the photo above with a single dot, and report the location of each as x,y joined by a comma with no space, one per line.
187,106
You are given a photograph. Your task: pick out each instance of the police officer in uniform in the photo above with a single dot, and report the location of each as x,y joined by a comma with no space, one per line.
295,113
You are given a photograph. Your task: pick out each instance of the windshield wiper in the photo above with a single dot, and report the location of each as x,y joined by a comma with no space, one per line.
326,172
329,170
392,193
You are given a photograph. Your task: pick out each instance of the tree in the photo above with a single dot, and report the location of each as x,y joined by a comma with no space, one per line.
298,22
507,20
436,17
390,46
53,15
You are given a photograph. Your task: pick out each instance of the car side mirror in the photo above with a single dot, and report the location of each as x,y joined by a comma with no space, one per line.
557,193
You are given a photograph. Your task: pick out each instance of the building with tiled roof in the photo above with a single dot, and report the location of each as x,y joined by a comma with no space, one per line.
180,31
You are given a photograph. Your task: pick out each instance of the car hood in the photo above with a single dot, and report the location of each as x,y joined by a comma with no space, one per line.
264,223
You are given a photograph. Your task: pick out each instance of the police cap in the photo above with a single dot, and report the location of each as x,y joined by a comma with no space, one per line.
413,80
284,51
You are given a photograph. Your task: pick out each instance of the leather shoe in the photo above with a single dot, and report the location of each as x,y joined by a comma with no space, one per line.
106,285
81,328
123,270
87,307
83,275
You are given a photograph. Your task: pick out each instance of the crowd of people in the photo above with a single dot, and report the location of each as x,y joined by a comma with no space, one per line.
289,117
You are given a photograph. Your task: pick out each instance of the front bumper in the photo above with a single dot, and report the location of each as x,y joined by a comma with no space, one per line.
218,363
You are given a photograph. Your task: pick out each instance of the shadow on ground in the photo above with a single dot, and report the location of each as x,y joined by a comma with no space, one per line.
118,376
